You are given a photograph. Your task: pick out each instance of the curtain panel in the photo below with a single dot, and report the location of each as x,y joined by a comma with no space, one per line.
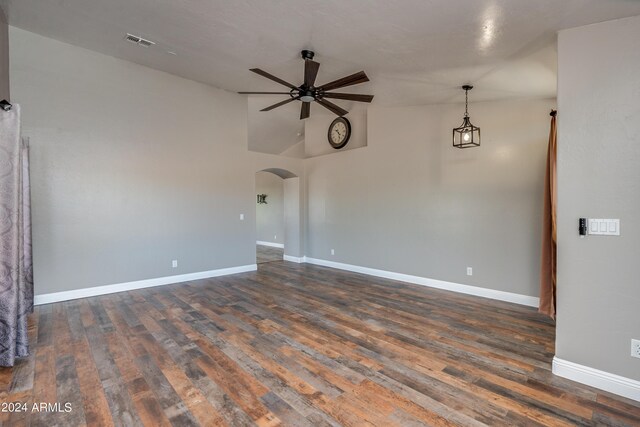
16,270
549,242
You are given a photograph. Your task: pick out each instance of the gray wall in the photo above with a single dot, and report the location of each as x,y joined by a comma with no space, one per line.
411,203
4,57
599,177
294,214
131,168
270,216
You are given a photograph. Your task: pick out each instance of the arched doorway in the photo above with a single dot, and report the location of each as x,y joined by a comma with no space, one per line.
278,224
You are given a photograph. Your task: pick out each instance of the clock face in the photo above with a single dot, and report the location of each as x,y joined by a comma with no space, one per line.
339,132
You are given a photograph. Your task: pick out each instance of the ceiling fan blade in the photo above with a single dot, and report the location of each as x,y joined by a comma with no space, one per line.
332,107
272,77
310,72
264,93
305,110
286,101
348,96
353,79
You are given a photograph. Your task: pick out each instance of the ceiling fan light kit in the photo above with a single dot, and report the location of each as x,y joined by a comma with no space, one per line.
466,135
308,92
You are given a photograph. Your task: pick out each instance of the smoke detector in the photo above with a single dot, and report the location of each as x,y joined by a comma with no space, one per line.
138,40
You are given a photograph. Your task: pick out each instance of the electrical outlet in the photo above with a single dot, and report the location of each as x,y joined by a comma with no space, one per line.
333,251
275,237
241,217
635,348
469,271
174,263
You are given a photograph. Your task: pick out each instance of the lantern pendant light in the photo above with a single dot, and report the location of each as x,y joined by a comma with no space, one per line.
466,135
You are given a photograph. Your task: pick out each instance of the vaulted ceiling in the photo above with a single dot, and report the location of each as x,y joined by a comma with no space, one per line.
414,51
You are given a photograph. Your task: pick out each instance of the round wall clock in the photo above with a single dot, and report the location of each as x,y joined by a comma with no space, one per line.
339,132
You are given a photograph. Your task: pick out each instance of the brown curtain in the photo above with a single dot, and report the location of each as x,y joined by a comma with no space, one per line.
548,265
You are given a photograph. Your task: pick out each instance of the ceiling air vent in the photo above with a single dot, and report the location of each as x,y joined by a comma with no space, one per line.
138,40
145,43
131,38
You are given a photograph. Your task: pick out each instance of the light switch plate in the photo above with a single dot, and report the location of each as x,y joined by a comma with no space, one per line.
604,227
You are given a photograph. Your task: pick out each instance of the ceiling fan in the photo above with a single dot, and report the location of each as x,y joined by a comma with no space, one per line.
308,93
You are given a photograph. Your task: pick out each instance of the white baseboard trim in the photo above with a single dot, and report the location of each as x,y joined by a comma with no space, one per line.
298,259
273,245
440,284
138,284
606,381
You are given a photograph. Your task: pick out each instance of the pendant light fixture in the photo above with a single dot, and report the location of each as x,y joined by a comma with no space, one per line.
466,135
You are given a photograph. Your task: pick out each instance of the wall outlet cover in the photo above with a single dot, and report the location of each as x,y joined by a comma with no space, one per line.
469,271
635,348
174,263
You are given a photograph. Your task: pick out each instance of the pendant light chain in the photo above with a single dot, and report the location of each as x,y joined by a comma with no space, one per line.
466,102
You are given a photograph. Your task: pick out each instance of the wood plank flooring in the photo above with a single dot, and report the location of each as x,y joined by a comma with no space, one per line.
268,254
297,345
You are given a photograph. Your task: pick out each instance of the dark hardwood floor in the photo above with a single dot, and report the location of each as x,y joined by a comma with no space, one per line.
268,254
298,345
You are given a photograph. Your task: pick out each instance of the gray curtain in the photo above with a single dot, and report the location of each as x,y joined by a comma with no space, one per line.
16,270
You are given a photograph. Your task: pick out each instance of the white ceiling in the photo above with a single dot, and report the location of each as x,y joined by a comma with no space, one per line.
414,51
